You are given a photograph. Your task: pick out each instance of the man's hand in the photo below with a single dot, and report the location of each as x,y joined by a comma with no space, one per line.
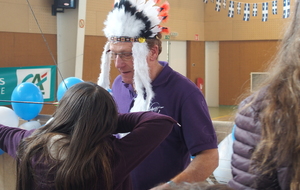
198,170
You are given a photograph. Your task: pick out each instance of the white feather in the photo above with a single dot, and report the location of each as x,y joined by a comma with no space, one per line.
142,79
155,30
103,79
120,23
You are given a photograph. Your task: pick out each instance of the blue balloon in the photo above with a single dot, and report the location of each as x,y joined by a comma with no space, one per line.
27,92
1,152
65,85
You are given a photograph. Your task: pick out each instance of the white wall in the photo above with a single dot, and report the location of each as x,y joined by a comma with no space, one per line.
212,73
174,52
70,41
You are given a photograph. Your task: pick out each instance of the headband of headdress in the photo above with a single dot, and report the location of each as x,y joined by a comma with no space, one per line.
134,21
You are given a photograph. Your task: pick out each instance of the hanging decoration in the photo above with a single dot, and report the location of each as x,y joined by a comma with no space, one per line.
246,12
224,4
274,7
239,8
218,5
265,6
254,10
286,8
247,8
231,9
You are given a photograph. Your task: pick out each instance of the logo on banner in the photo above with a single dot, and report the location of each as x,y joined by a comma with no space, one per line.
39,77
2,89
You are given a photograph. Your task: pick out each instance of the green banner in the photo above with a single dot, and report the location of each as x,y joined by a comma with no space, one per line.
42,76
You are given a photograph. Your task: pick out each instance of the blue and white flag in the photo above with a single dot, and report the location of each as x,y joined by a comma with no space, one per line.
286,8
231,9
254,13
246,12
265,11
204,1
274,7
218,5
224,4
239,8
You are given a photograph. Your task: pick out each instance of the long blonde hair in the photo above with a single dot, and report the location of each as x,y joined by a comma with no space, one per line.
280,140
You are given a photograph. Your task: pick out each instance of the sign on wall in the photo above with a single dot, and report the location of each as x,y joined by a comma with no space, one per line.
42,76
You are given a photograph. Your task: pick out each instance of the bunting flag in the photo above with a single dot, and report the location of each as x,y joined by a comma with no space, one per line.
286,8
239,8
274,7
231,9
218,5
265,11
246,12
224,4
246,17
254,13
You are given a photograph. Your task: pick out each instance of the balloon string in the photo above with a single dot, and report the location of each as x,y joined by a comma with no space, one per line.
27,102
46,42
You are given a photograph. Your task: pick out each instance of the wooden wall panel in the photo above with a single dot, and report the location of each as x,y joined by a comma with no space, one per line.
237,60
16,16
196,61
92,54
187,19
28,49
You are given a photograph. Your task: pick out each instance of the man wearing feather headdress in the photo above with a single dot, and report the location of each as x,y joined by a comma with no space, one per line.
145,84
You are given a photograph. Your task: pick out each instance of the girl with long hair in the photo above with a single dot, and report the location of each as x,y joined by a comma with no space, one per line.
267,147
77,148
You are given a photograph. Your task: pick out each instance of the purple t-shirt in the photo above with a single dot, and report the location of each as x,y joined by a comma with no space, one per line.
178,97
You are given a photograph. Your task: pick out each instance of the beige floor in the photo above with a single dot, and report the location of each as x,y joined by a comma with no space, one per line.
222,113
223,120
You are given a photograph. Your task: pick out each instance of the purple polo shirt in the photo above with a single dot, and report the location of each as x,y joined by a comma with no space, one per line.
178,97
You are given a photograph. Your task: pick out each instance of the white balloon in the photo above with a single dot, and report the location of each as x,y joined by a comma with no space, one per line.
8,117
30,125
223,172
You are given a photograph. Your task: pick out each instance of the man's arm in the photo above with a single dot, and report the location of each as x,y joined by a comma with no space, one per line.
198,170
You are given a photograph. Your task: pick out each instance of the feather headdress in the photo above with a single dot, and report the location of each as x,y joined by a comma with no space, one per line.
134,21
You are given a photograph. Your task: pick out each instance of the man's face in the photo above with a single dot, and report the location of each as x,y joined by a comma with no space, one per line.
124,65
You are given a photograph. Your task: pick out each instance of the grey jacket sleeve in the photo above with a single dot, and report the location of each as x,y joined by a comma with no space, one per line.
247,134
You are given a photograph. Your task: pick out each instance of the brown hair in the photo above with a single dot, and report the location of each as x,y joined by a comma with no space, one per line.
85,117
155,41
280,141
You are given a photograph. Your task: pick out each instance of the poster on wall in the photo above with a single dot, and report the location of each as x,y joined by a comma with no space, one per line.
42,76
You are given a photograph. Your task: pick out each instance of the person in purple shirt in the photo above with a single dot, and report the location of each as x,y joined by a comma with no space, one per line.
77,148
145,84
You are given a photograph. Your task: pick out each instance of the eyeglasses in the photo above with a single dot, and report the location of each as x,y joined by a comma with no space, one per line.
125,56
